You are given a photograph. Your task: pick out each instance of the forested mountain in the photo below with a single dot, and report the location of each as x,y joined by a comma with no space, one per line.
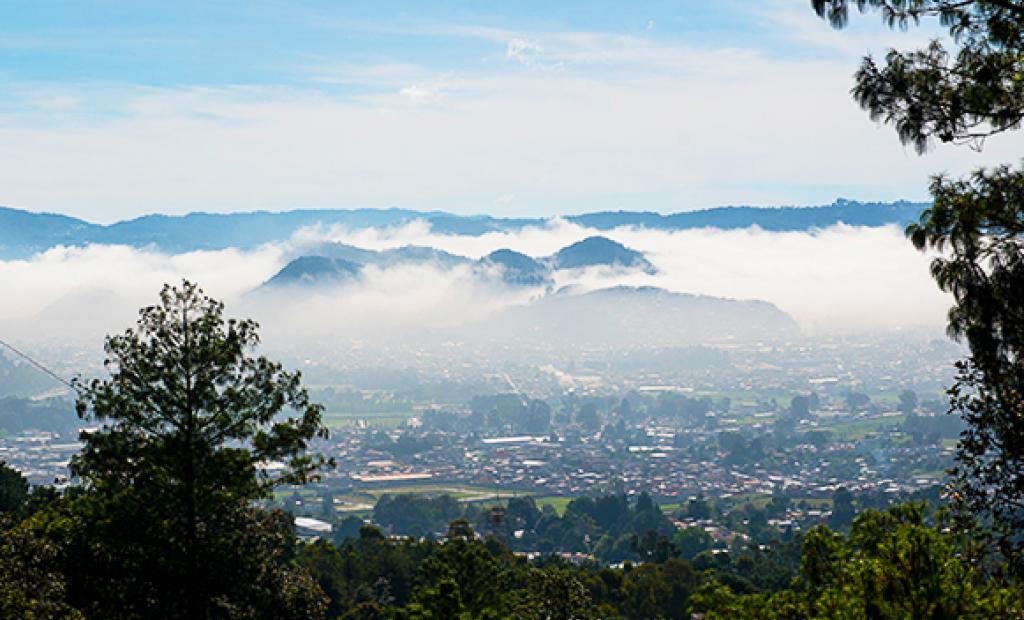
339,263
54,415
517,268
388,257
18,378
315,271
594,251
23,232
614,316
629,316
787,218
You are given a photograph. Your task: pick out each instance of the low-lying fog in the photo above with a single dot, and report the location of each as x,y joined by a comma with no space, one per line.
836,279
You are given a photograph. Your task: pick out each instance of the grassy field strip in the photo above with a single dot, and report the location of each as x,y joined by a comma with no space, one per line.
852,430
336,419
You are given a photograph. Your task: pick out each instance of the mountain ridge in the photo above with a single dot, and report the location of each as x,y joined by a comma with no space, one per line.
23,233
340,263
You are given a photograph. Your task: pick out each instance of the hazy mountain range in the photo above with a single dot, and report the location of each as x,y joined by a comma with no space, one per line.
557,311
23,233
337,263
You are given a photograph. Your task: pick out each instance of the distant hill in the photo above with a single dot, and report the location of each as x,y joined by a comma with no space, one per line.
848,212
647,316
314,271
517,269
594,251
386,258
339,263
50,414
23,233
101,309
21,379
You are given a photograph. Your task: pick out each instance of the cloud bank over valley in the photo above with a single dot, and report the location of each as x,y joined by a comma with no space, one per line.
836,279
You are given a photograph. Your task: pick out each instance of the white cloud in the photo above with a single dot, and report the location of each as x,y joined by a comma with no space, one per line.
127,278
423,93
523,50
840,278
629,122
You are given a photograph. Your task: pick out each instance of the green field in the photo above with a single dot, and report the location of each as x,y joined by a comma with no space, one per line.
853,430
458,491
287,492
347,419
558,502
368,496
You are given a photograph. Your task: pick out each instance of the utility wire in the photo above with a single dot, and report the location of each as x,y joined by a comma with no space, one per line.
38,365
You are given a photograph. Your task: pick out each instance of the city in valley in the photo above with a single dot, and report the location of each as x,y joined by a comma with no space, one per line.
747,441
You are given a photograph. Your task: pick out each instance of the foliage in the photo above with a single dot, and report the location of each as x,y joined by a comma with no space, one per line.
959,96
609,526
512,413
30,589
13,489
902,563
189,419
990,456
976,225
417,515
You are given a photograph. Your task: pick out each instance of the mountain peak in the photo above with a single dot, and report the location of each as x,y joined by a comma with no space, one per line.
315,270
598,250
517,268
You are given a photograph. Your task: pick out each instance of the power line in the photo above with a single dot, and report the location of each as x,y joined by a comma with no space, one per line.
38,365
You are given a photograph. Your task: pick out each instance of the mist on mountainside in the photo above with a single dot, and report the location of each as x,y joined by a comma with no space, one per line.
832,280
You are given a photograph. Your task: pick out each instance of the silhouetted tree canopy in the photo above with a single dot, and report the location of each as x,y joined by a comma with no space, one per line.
960,93
190,422
975,224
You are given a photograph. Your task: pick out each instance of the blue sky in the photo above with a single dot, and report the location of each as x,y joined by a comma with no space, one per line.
110,110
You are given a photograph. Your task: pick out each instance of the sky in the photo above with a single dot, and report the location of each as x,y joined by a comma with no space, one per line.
111,110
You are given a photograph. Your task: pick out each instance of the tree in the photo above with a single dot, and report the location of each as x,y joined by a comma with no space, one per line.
13,489
537,417
901,563
689,541
842,509
189,419
959,97
698,508
461,575
976,224
857,400
588,418
348,528
908,402
29,587
553,594
800,407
